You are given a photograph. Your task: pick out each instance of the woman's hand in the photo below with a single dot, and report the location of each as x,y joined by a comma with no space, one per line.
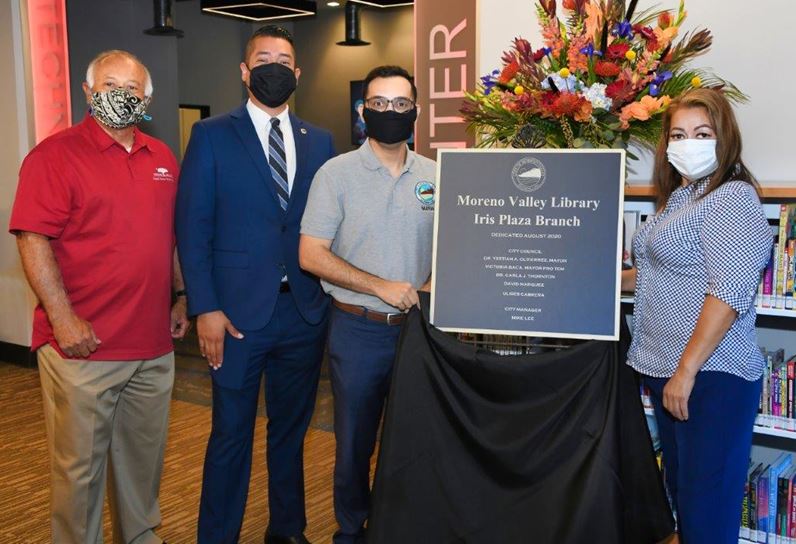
676,393
714,321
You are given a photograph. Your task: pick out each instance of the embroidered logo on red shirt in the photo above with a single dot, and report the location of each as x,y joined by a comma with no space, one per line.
162,174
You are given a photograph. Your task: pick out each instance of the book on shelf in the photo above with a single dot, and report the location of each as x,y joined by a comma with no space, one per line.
789,273
777,284
768,512
769,503
787,222
762,504
780,466
776,408
749,526
783,506
792,510
768,279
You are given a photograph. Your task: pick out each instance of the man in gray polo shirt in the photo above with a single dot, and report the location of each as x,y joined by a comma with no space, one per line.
367,233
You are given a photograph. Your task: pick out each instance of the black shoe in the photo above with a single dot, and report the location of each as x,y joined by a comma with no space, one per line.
295,539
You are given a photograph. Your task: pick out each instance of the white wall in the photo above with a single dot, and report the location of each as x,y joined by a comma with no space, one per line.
16,299
751,48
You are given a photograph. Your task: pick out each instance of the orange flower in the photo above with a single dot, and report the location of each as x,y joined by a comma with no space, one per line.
573,105
664,19
594,19
577,61
606,69
509,72
551,33
665,36
643,109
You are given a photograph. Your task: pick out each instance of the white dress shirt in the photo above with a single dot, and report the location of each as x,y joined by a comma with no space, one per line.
262,125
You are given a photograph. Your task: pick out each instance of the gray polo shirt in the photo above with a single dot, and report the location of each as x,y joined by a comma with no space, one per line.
378,223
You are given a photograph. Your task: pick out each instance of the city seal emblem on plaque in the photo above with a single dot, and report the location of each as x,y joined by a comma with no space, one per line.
528,174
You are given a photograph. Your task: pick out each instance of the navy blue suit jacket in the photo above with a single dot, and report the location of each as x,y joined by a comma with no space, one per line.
235,242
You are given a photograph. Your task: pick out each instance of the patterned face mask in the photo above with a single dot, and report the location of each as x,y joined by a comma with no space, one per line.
118,108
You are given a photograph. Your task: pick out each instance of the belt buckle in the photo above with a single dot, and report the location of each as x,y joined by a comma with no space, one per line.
390,316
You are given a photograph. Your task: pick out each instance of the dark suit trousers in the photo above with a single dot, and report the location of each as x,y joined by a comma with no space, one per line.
288,351
361,354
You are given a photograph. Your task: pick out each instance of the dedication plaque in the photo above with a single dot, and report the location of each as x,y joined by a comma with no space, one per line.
528,242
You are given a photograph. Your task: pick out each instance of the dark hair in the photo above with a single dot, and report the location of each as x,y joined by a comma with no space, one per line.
268,31
665,177
388,71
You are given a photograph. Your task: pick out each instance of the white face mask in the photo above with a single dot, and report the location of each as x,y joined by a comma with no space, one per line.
693,158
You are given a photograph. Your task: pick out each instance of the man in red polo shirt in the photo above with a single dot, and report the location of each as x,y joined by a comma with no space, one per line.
93,217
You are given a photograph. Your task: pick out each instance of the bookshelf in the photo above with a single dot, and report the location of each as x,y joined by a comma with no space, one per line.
775,325
776,312
760,428
779,319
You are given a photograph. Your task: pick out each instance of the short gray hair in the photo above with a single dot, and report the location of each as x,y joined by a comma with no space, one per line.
114,53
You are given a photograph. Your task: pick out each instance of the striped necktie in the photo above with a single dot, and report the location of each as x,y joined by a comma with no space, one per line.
278,162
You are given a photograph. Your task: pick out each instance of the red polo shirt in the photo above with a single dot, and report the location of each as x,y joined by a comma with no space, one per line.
110,216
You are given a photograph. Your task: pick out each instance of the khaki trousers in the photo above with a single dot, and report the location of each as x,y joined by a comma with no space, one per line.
105,417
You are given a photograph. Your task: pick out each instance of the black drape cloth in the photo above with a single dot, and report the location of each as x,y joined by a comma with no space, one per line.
479,448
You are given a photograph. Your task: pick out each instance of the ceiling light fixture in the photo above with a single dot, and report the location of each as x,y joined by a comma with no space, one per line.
352,34
260,11
164,24
384,3
333,4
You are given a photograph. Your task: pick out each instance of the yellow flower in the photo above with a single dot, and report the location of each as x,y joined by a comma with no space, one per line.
630,55
696,81
519,89
665,101
564,72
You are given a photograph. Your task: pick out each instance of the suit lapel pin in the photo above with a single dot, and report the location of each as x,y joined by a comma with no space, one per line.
303,130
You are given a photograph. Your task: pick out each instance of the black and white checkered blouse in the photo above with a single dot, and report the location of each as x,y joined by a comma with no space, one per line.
717,245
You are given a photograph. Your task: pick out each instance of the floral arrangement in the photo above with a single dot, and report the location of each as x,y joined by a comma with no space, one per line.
603,77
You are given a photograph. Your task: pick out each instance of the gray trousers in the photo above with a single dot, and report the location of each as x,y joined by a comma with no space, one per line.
105,417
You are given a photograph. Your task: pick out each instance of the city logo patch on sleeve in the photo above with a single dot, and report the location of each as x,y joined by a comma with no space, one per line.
162,174
424,191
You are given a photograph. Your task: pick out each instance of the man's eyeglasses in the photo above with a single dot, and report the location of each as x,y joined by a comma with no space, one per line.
400,104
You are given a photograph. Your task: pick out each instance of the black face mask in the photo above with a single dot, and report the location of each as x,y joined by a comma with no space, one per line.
272,84
390,127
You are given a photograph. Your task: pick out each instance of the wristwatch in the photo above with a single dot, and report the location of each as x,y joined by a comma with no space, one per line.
181,293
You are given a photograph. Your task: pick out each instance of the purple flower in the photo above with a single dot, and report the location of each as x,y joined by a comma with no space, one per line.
590,51
623,30
660,79
489,81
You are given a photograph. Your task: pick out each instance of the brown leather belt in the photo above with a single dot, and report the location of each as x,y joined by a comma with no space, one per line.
381,317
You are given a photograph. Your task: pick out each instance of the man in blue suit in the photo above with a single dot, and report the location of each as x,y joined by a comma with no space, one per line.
242,192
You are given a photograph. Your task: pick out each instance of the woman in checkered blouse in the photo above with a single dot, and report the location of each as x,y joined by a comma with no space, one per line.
698,262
